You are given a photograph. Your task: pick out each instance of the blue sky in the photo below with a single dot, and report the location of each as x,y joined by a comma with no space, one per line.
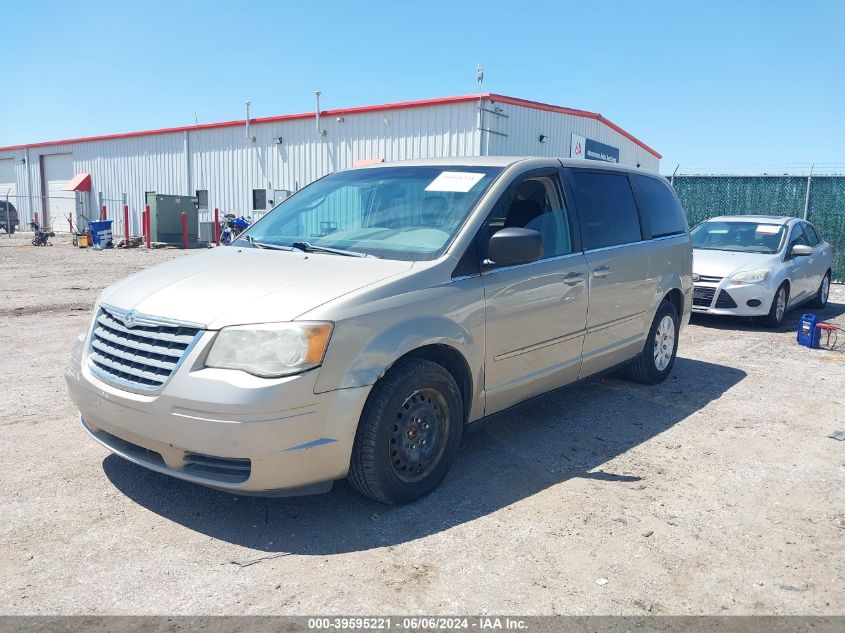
731,85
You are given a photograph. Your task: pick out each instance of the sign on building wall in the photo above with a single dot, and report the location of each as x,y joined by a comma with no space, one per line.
588,149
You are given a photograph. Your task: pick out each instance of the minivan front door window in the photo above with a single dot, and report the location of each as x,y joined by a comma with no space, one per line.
535,204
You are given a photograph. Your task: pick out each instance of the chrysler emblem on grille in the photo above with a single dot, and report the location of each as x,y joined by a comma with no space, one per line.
129,319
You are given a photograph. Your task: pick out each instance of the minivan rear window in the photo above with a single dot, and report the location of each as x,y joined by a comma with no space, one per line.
607,209
662,212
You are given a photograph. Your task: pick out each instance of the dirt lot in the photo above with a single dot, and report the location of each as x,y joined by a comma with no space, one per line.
716,492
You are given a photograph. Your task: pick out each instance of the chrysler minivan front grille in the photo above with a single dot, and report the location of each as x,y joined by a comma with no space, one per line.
138,351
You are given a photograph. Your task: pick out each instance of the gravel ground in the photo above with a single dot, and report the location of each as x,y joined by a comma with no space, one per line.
716,492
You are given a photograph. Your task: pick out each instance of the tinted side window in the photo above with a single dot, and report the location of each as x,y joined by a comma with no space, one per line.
797,236
607,209
662,212
813,238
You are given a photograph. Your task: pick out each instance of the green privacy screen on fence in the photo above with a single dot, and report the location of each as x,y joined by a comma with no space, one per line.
706,196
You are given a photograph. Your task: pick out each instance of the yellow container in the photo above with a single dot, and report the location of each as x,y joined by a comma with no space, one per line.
82,241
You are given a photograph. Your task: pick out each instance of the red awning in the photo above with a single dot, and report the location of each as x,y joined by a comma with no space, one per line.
80,182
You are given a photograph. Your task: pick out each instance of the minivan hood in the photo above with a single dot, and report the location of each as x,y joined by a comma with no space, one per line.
725,263
237,286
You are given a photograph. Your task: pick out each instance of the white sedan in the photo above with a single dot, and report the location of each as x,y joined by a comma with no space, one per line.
758,266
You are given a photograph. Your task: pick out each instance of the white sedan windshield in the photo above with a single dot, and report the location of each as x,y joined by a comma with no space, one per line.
747,237
406,213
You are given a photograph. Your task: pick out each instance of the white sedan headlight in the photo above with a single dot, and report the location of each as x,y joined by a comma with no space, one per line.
270,350
750,277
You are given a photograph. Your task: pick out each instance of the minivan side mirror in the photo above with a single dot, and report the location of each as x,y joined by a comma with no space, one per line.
515,245
801,250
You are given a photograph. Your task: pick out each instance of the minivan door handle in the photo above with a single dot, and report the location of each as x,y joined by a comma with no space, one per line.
601,271
573,278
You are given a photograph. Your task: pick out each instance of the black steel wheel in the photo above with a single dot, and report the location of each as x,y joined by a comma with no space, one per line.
419,435
409,433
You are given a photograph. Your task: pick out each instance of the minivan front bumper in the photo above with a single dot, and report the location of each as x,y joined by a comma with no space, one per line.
225,429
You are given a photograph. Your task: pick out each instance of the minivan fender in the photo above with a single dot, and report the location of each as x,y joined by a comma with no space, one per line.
352,364
673,281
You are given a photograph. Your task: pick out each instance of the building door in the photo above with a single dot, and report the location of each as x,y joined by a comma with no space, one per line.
8,188
56,203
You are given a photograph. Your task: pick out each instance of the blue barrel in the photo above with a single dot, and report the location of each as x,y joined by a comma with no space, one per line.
101,234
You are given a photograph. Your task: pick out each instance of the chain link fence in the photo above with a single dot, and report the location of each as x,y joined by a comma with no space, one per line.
707,196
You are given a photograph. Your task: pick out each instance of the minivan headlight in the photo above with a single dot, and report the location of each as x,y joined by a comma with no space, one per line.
270,350
750,276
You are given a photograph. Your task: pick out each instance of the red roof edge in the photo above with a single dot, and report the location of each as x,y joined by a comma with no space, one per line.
345,111
580,113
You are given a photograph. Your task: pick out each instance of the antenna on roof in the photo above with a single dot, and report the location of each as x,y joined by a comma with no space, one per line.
479,77
249,137
320,130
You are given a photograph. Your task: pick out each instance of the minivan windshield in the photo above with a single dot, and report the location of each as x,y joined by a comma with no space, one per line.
404,213
746,237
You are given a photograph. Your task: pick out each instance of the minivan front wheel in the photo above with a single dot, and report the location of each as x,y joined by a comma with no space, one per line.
656,360
409,433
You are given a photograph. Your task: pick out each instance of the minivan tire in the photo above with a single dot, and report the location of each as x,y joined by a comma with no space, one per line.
646,368
822,294
409,433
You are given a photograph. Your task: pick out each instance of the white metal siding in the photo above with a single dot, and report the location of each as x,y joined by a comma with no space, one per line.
227,165
524,126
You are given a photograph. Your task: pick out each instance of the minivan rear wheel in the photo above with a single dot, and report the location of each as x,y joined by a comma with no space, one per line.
409,433
656,360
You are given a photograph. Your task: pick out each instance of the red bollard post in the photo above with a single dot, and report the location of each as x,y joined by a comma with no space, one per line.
147,226
184,230
103,214
216,226
126,225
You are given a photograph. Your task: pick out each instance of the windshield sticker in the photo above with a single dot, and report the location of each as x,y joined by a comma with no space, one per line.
769,229
454,181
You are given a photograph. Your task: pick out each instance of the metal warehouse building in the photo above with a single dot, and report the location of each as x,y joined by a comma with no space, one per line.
247,165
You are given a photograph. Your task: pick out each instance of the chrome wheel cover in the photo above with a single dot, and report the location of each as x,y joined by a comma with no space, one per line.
825,289
664,343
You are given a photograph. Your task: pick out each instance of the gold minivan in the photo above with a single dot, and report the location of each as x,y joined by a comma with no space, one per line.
377,312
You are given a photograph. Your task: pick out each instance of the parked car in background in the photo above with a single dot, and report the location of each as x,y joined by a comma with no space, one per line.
759,266
9,220
377,312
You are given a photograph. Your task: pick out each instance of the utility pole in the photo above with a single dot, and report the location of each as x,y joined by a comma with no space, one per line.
807,196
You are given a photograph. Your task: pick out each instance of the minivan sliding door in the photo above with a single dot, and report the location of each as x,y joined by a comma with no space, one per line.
621,282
